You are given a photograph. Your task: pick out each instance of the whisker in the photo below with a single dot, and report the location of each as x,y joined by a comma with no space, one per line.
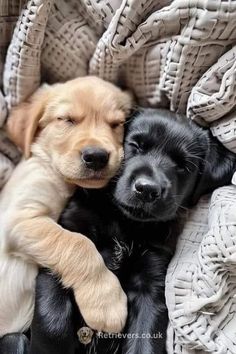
181,206
192,163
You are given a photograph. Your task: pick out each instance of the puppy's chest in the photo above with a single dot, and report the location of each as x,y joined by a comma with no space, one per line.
121,244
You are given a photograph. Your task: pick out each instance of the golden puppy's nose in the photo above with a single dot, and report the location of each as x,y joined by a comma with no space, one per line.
94,158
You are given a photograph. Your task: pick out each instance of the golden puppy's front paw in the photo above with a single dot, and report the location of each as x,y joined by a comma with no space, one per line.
103,303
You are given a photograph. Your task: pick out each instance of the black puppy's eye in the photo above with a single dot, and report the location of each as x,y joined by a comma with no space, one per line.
134,145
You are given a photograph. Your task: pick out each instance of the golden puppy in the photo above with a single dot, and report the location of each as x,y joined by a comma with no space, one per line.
71,135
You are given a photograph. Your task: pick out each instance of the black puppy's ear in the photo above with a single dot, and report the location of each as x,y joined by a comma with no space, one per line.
217,168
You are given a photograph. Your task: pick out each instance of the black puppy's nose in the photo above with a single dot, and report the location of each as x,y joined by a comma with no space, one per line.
149,191
94,158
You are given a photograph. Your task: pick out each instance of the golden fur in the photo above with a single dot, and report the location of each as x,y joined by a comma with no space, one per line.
52,128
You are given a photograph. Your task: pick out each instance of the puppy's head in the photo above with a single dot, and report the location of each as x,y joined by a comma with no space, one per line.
77,126
169,163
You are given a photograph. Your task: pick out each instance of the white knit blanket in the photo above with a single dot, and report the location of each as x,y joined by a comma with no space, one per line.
180,54
201,280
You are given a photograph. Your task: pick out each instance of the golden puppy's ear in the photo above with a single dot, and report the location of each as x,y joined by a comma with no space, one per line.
22,124
127,101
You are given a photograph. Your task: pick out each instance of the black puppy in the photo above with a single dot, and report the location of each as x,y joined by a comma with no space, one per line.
169,163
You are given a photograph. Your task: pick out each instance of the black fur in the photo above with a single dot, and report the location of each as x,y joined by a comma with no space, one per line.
14,343
135,229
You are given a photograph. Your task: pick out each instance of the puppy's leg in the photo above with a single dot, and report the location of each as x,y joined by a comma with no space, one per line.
74,257
17,292
53,328
148,317
14,343
56,321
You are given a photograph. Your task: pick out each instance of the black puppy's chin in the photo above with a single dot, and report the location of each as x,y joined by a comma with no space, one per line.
140,214
136,214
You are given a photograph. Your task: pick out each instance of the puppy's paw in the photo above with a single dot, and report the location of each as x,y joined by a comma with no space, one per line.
103,303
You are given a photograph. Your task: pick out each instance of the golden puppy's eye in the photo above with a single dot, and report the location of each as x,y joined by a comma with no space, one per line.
67,120
115,125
